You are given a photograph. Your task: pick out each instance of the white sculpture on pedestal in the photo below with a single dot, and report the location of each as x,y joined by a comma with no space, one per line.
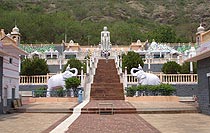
105,43
58,80
145,78
105,40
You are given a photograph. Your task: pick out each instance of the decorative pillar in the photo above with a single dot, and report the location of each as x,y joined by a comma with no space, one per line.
191,67
87,66
82,78
120,65
60,63
90,62
125,78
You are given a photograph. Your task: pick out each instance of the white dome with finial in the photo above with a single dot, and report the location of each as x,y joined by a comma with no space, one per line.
15,30
200,29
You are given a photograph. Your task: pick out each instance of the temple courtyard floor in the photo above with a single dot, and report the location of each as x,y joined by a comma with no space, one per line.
141,123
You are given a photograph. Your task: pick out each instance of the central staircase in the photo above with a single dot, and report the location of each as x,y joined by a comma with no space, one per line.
106,84
107,94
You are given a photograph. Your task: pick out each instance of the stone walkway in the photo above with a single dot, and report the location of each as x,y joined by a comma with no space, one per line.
122,123
28,122
166,123
179,123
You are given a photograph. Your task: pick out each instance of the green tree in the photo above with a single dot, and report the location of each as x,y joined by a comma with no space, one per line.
131,60
75,63
185,68
34,66
72,83
171,67
163,34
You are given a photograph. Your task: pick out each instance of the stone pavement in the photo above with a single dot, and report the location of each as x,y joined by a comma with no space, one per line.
28,122
117,123
179,123
166,123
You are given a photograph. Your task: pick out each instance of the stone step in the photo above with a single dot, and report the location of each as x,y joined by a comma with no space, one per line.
103,110
109,85
106,84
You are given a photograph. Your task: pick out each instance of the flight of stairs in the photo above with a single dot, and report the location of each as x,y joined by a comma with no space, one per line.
106,84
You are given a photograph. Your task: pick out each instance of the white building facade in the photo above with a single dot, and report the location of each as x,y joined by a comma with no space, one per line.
10,68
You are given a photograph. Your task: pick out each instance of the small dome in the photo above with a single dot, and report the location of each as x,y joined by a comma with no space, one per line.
105,28
15,30
138,42
200,28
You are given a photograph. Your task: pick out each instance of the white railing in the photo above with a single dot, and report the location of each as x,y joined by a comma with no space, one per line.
40,79
168,78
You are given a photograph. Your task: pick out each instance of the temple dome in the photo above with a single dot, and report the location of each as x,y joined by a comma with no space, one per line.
15,30
200,29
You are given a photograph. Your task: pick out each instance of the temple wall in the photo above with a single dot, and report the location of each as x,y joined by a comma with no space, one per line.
204,85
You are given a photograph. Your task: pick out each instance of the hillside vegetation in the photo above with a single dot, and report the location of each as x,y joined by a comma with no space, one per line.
47,21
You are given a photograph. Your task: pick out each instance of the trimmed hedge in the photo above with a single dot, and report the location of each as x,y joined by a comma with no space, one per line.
151,90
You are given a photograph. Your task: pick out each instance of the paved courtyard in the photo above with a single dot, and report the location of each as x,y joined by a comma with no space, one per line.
28,122
179,123
165,123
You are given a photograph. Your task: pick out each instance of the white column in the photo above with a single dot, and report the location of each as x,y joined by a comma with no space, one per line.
90,62
19,60
149,64
118,63
60,63
191,67
125,78
121,65
82,80
178,60
87,66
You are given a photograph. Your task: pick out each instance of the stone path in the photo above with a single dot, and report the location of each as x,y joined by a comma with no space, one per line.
122,123
165,123
179,123
28,122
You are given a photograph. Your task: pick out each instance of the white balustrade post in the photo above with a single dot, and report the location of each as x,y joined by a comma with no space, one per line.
82,80
91,62
120,65
87,66
191,67
125,78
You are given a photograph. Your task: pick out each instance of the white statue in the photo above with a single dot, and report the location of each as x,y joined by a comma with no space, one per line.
145,78
58,80
105,40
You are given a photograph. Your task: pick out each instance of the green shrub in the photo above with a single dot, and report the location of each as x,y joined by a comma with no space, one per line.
60,92
72,83
34,66
131,60
152,90
40,92
131,91
75,63
185,68
171,67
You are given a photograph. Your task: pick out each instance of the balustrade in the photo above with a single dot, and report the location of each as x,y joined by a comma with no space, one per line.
131,80
39,79
169,78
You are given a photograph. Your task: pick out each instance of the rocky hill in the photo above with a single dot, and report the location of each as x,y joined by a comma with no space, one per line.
183,16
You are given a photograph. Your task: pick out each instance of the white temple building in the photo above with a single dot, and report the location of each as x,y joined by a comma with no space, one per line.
10,68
